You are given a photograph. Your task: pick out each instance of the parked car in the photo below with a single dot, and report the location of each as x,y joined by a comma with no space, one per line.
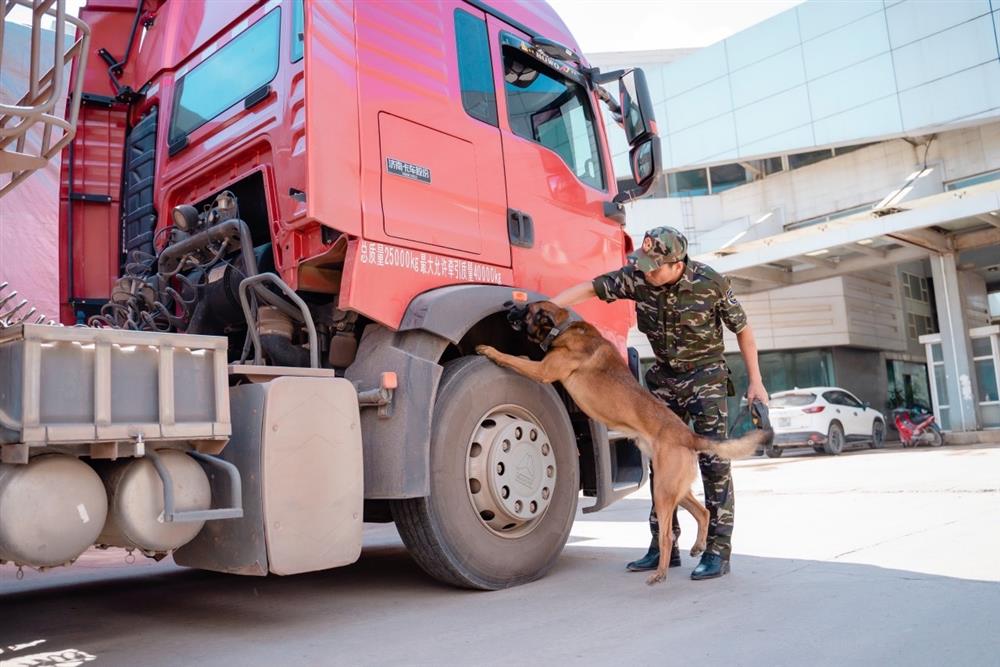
824,418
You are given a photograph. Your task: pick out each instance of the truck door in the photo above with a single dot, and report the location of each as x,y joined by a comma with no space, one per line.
558,176
430,145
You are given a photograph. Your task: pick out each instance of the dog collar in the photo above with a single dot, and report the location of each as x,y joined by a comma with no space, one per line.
553,334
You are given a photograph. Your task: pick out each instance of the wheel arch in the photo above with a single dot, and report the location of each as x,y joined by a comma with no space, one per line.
440,325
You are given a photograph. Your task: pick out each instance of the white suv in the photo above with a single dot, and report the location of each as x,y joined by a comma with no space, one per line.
824,418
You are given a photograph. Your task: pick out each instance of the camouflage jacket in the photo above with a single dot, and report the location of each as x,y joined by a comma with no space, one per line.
683,321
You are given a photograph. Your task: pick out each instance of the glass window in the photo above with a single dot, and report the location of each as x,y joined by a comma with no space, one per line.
246,63
994,301
941,386
850,149
973,180
810,157
772,165
835,397
915,287
945,418
981,347
298,28
727,176
553,111
475,71
936,353
688,183
908,385
986,380
792,400
782,371
851,400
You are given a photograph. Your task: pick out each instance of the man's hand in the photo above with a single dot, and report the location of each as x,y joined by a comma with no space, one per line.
756,391
748,348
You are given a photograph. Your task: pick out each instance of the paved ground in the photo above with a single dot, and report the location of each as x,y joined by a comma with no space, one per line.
886,557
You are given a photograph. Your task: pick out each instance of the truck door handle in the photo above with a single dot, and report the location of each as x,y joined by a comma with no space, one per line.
520,228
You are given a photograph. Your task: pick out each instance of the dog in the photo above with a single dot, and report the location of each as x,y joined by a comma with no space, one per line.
599,381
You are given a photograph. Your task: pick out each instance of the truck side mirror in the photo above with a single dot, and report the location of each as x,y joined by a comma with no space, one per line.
637,106
646,161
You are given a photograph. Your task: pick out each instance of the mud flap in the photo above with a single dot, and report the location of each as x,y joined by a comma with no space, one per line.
397,448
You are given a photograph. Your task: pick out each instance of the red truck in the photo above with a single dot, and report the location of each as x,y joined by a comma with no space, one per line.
289,223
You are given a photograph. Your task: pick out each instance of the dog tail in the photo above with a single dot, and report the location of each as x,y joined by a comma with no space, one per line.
737,448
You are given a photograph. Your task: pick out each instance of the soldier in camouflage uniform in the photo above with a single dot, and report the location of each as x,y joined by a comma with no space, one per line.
681,306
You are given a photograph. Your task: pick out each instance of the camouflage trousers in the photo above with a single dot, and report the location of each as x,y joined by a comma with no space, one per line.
699,399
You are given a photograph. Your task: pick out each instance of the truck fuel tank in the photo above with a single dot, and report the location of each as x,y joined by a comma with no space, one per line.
51,510
135,502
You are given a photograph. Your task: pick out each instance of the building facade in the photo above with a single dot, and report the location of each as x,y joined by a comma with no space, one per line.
840,162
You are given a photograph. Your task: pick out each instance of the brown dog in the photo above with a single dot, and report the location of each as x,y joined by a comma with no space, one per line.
597,378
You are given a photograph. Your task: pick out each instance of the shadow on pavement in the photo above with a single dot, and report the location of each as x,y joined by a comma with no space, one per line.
383,609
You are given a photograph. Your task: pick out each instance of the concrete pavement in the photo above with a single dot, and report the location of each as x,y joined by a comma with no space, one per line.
873,557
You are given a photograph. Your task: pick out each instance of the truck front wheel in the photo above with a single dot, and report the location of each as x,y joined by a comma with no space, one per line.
504,480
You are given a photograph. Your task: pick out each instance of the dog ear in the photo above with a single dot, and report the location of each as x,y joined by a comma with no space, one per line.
559,316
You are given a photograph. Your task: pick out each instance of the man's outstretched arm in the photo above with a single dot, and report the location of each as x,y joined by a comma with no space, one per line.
575,294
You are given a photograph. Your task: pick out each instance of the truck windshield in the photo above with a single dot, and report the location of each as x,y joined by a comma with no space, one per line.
554,112
246,63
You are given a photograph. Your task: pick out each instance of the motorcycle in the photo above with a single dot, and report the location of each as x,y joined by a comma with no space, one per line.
917,427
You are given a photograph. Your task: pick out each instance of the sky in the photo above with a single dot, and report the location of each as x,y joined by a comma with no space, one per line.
638,25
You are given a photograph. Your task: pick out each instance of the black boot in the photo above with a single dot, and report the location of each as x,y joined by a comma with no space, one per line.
652,558
710,567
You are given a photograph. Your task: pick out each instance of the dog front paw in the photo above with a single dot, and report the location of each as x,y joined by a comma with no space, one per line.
656,578
487,351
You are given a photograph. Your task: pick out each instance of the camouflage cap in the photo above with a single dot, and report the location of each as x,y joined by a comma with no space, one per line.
660,246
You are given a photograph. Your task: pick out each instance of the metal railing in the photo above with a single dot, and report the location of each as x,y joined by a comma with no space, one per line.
39,108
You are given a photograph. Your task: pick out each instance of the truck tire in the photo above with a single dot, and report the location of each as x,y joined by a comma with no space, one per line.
504,480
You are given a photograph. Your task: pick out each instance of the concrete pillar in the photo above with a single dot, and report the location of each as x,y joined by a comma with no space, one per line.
955,345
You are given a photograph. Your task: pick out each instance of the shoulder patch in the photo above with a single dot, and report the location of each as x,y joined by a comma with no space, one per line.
730,297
